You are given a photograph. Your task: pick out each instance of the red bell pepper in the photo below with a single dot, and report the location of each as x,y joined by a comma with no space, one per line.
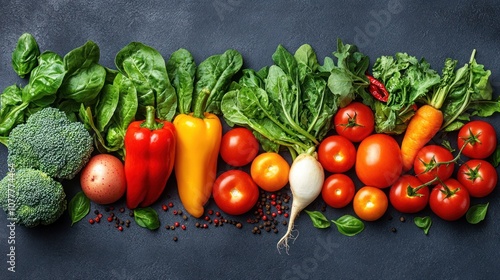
149,159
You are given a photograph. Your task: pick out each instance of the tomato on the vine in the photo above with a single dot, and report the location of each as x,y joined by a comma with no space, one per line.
270,171
449,200
354,121
409,194
370,203
235,192
378,161
478,176
338,190
238,146
430,163
479,138
336,154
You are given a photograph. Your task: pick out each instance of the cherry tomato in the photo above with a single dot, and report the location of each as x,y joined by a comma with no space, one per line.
338,190
409,195
378,161
354,121
427,167
370,203
239,146
482,139
336,154
235,192
270,171
449,200
478,176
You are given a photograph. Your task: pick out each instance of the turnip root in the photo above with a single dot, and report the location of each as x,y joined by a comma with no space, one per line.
306,180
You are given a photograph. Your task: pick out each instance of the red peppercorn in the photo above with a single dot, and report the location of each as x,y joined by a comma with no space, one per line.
273,203
264,218
175,212
170,205
120,228
110,219
274,215
217,214
207,218
280,212
97,219
216,221
210,212
100,216
177,224
91,221
164,207
286,215
205,226
273,196
183,227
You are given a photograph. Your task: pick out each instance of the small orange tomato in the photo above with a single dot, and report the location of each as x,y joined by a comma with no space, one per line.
370,203
270,171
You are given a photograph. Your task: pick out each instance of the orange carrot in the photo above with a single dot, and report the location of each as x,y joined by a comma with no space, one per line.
424,125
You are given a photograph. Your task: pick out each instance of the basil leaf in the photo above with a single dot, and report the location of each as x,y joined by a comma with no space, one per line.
477,213
147,218
423,222
25,55
349,225
78,207
318,219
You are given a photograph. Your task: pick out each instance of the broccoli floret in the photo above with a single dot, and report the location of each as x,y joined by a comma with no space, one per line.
50,142
31,197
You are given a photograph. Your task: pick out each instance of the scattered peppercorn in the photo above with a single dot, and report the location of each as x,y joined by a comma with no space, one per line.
393,229
402,219
91,221
170,205
183,227
164,207
175,238
96,212
120,228
210,212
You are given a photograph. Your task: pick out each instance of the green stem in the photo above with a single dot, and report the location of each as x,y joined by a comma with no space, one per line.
201,104
150,121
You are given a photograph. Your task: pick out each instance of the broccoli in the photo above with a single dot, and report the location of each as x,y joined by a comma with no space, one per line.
31,197
50,142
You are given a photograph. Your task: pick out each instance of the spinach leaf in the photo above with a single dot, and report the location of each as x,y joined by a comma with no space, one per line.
181,69
307,61
214,74
146,68
45,79
85,76
24,57
106,106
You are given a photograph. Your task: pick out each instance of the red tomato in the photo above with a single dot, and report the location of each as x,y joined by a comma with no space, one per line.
354,121
238,146
338,190
378,161
427,167
449,200
336,154
409,195
370,203
482,139
235,192
478,176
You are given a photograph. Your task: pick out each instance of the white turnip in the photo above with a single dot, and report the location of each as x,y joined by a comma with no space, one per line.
306,180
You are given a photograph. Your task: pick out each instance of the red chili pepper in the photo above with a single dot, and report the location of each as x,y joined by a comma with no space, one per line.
377,89
149,159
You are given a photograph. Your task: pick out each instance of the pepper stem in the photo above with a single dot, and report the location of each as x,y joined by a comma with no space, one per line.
201,103
150,121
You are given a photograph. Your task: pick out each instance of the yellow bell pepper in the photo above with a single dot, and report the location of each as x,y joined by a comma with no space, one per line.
198,141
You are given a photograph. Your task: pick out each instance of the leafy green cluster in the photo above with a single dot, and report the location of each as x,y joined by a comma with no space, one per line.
407,80
292,102
31,198
50,142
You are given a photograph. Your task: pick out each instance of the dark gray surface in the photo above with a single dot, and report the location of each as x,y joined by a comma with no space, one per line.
435,30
